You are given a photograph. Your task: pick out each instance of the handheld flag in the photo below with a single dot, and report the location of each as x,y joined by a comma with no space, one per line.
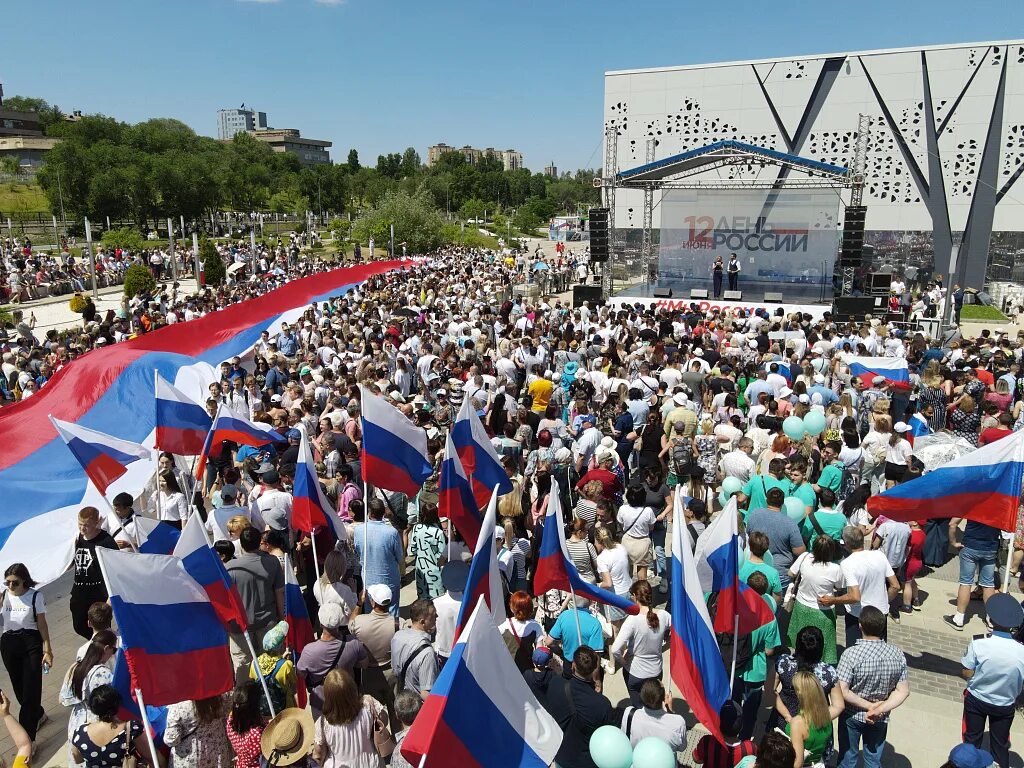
203,564
717,562
155,537
478,457
555,569
300,629
181,423
480,712
893,369
230,426
103,457
983,485
484,580
394,450
310,508
455,499
130,709
918,427
174,642
695,661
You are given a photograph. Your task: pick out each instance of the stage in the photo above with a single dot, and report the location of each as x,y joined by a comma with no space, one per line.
816,311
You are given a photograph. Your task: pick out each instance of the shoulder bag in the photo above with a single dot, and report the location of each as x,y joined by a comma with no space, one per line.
790,598
383,739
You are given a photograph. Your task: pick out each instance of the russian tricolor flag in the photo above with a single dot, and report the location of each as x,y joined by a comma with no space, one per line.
181,423
983,485
310,507
455,499
203,564
103,457
695,662
130,709
555,569
394,450
174,642
480,713
484,580
155,537
478,457
740,610
230,426
300,628
918,427
893,369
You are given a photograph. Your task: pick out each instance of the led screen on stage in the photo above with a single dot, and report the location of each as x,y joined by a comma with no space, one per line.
786,240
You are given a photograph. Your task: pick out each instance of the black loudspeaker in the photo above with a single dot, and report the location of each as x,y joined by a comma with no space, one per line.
847,308
599,234
663,293
733,295
851,251
581,293
773,298
879,282
698,293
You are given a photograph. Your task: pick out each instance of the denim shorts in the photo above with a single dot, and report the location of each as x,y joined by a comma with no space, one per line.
983,564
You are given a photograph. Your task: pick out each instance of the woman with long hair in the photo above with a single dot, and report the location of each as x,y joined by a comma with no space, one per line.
811,729
25,644
245,724
173,506
197,735
640,643
581,551
964,420
334,586
806,657
107,740
935,392
344,735
819,575
84,677
427,544
896,454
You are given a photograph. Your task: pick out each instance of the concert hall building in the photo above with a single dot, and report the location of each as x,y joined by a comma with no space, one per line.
944,156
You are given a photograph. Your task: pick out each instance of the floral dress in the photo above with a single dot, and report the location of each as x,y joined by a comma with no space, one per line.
194,744
965,425
427,545
707,454
246,746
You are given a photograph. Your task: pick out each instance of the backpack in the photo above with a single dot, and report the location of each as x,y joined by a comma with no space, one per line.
681,454
277,694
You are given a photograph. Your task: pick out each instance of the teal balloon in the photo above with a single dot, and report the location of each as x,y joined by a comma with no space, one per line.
609,748
722,498
814,421
742,558
795,508
731,485
653,752
793,426
768,558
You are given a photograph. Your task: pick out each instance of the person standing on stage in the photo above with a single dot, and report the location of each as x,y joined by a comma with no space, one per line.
734,272
716,276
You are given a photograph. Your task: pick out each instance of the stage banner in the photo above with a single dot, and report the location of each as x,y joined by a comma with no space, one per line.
785,240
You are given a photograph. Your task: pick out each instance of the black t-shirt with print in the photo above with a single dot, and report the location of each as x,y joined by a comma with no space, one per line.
88,577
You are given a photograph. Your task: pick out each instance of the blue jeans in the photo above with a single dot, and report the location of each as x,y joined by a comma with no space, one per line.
850,734
658,534
975,562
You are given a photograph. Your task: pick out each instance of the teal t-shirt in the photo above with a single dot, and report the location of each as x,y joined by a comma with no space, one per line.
832,477
805,492
774,582
564,629
832,523
761,639
757,488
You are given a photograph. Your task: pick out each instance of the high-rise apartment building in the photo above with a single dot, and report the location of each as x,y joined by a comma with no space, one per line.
511,160
232,121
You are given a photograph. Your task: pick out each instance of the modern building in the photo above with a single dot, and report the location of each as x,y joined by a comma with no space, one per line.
232,121
310,152
551,170
510,159
945,148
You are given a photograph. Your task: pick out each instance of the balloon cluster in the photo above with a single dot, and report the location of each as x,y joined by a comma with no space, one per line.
812,424
610,748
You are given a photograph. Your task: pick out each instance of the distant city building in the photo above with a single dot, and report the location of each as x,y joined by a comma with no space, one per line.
232,121
30,150
551,170
510,159
310,152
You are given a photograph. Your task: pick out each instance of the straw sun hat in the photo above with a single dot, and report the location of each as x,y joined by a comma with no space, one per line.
288,737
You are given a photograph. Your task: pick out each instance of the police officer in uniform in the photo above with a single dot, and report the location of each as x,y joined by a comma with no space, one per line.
994,669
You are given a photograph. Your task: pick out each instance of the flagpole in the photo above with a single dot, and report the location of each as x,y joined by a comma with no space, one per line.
735,646
576,615
316,561
366,528
259,674
145,724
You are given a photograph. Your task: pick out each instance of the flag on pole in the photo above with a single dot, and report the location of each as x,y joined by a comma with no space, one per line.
155,537
717,560
310,507
181,423
478,457
695,662
130,709
893,369
554,566
203,564
103,457
394,450
230,426
173,640
484,580
480,712
983,485
300,628
455,499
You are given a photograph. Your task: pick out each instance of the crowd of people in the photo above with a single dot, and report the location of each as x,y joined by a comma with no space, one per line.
626,408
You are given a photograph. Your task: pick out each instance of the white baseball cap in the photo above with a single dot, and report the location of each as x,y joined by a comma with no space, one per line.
901,426
380,594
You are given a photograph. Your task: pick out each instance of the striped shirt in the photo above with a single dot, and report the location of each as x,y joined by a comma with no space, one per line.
583,556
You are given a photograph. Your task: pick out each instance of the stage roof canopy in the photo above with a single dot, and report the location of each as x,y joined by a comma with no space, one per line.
725,153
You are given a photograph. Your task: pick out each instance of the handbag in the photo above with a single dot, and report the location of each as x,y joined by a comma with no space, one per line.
383,739
789,600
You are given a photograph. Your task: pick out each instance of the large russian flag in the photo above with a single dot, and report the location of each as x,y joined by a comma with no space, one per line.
394,449
130,709
695,661
204,565
478,457
181,423
176,646
893,369
110,389
983,485
300,628
455,499
228,425
554,566
310,507
480,713
103,457
484,580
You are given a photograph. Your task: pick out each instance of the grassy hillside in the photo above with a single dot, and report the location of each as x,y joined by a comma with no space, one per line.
22,198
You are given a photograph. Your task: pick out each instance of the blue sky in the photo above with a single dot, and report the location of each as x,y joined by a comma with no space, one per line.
381,75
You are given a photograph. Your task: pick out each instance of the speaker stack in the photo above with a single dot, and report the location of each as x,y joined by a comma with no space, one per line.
598,235
851,251
581,293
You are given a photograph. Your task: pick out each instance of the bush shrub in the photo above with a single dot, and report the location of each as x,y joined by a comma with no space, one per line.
214,271
138,280
126,239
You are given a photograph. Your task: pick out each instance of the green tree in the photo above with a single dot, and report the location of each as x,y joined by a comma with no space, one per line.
214,272
10,166
416,222
410,162
472,209
126,239
390,165
49,114
138,279
353,161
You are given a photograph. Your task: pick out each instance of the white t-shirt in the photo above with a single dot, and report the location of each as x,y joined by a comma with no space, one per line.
897,454
895,536
17,610
521,629
636,522
645,645
338,593
816,579
615,562
868,569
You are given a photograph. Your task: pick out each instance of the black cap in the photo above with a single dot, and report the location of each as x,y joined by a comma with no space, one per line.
1004,611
